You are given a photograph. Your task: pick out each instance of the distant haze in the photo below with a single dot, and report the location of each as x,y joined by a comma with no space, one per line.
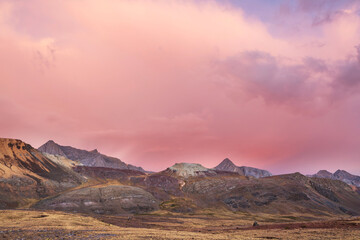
268,84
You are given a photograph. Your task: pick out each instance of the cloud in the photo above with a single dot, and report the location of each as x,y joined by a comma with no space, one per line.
311,86
159,82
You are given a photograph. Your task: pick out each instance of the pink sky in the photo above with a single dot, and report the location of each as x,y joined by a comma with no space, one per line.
159,82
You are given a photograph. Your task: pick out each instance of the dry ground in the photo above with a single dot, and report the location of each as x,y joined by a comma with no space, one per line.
25,224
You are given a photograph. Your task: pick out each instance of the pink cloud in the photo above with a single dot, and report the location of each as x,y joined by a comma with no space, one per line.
160,82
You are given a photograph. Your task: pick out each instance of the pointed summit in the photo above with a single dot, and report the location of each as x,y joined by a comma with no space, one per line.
227,161
95,151
228,166
324,174
52,148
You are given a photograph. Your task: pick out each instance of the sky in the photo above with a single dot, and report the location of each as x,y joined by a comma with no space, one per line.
269,84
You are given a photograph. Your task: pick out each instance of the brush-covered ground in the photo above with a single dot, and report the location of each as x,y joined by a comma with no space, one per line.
32,224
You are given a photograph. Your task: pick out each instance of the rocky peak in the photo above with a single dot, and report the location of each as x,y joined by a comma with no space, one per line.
341,175
324,174
52,148
227,162
227,165
189,169
94,151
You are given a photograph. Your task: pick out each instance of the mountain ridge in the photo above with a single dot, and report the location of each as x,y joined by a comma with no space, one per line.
87,158
341,175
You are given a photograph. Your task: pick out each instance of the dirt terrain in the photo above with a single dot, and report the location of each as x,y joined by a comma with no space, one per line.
25,224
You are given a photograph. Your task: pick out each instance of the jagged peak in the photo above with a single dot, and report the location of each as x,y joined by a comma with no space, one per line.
95,151
227,162
51,143
52,148
342,172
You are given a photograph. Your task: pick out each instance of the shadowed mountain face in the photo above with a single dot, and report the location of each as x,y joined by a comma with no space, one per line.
228,166
86,158
26,174
339,175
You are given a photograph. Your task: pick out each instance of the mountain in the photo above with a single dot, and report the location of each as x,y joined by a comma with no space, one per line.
324,174
87,158
190,170
27,177
26,174
341,175
347,177
228,166
188,188
283,194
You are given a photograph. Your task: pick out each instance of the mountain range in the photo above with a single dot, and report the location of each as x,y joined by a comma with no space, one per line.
339,175
68,179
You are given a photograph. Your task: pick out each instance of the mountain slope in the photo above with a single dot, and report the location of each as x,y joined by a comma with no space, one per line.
113,199
285,194
228,166
341,175
86,158
27,174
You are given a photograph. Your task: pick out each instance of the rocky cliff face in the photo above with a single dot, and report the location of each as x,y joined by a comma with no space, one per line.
339,175
228,166
86,158
27,174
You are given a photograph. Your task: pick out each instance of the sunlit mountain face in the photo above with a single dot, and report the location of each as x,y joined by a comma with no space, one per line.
269,84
